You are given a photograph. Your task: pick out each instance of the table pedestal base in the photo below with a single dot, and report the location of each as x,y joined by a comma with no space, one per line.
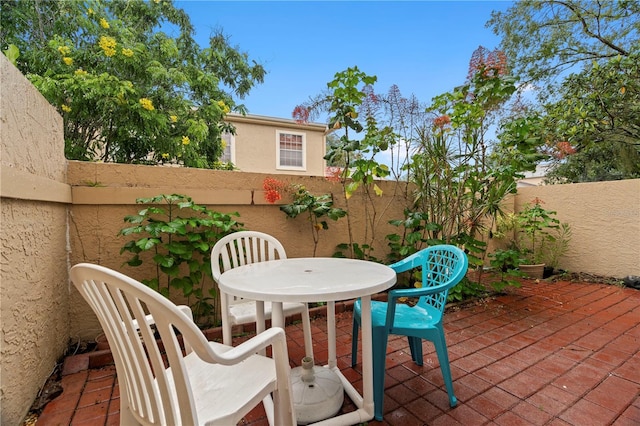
317,392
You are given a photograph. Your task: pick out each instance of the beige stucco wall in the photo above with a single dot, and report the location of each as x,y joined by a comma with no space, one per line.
605,223
33,277
104,194
256,144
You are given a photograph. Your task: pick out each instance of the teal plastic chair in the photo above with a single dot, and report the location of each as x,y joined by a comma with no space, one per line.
443,266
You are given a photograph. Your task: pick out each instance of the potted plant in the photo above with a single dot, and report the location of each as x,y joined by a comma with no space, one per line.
535,237
555,246
505,264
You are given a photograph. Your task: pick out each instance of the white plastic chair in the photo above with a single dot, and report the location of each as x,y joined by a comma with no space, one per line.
208,384
242,248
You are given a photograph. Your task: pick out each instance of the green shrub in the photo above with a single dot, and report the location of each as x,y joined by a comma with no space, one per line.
180,247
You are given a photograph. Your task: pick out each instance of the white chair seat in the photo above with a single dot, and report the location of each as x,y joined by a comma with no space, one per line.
227,385
245,312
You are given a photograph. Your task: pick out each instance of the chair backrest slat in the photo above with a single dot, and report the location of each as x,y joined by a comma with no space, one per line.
441,265
243,248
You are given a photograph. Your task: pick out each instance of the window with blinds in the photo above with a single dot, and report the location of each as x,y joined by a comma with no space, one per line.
291,149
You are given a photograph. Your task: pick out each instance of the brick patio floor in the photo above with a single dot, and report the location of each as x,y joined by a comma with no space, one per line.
548,353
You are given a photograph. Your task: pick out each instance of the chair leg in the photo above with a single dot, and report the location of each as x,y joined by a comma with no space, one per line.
415,345
443,358
269,409
226,324
354,339
380,338
261,322
226,333
306,331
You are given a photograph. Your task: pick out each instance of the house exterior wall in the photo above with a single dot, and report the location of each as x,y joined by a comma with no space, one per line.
34,286
256,145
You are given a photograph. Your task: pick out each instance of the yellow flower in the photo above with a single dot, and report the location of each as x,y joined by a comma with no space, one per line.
108,45
90,11
146,104
186,140
156,1
80,71
165,155
173,118
127,52
103,23
225,109
67,60
223,144
66,108
64,50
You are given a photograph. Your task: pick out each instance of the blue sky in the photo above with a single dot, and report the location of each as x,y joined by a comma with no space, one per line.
423,47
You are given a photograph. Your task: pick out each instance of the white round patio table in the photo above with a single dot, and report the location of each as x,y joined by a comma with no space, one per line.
319,279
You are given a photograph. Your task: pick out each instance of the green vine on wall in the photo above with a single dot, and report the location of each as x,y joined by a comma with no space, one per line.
179,245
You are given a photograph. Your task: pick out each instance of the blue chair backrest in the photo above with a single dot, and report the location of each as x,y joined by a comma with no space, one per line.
443,266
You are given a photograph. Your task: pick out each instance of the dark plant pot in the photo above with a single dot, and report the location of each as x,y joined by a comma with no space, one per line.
533,271
632,281
548,271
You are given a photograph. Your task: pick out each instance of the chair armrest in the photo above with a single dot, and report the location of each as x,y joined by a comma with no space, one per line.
393,296
415,292
271,337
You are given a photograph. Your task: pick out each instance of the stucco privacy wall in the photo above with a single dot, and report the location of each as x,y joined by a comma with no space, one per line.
605,223
105,193
33,276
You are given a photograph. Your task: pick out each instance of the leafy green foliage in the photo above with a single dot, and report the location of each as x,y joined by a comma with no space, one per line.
465,290
461,178
596,123
128,91
356,149
355,251
505,264
582,59
556,245
534,224
415,229
543,39
458,178
180,247
316,207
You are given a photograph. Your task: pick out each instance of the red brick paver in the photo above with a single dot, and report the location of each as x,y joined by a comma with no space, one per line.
548,353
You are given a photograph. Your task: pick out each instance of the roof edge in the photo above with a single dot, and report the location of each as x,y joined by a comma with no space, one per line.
262,119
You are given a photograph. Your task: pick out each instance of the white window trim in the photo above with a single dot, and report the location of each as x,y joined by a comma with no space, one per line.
304,150
232,147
